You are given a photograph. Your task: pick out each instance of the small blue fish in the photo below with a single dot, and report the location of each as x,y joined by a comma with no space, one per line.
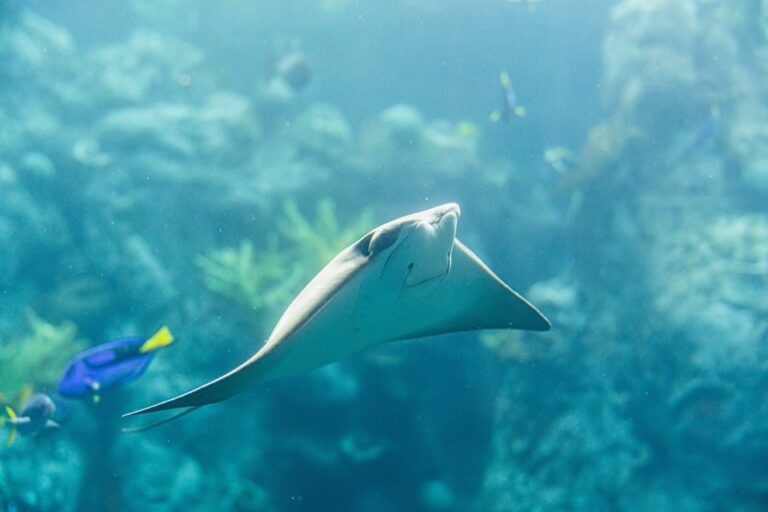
707,131
35,416
510,107
109,365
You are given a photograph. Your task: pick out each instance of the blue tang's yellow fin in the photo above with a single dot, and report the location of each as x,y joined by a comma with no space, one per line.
162,338
504,80
24,394
12,435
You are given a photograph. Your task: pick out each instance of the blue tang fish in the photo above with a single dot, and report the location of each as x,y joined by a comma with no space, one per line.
111,364
35,416
510,107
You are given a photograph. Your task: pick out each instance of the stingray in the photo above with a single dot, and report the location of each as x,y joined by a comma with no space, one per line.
408,278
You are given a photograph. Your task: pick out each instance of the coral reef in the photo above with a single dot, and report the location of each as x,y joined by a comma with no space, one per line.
48,476
148,65
716,274
322,132
180,138
662,317
399,140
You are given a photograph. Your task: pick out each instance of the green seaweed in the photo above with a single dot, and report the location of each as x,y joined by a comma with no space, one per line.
37,357
262,279
315,243
253,279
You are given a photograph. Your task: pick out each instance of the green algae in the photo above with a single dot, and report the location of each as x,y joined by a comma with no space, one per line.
265,278
313,243
36,357
250,277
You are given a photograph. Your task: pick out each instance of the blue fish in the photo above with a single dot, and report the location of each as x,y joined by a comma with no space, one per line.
706,132
109,365
510,106
34,416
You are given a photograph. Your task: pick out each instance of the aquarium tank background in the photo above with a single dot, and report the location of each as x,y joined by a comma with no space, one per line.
193,164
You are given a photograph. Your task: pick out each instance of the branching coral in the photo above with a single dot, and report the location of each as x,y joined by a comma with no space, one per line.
37,357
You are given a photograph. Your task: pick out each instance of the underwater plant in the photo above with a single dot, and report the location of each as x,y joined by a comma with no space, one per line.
244,275
314,243
37,357
266,278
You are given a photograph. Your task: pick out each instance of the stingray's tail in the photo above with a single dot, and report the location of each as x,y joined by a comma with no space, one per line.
150,426
215,391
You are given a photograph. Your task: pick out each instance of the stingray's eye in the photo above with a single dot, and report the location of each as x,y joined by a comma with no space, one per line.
382,239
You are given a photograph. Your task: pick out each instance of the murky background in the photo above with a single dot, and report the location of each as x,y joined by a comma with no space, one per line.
194,164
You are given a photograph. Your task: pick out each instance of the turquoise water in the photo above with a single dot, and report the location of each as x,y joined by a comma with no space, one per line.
193,165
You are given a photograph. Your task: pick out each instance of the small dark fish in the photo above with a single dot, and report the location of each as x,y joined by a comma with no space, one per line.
34,416
109,365
510,107
294,69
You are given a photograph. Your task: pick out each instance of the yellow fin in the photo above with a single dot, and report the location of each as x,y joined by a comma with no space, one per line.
520,111
495,116
24,394
467,129
504,79
162,338
12,434
11,437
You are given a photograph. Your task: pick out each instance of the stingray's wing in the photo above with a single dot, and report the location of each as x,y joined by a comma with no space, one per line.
312,299
469,297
